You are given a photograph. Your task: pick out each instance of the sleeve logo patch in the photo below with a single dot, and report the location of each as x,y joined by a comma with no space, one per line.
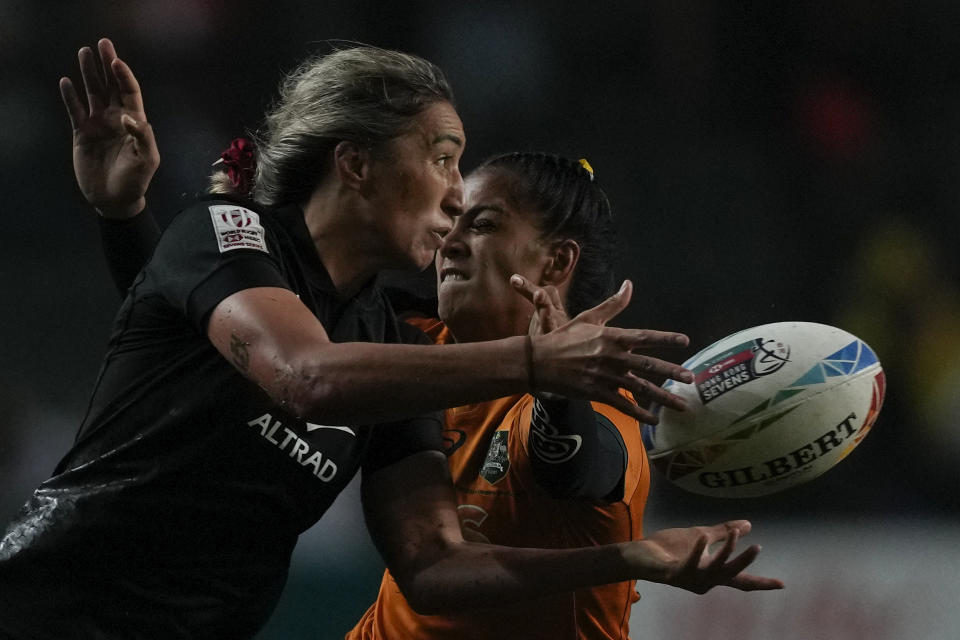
237,228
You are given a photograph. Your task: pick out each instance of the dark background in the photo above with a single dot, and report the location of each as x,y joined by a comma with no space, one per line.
766,162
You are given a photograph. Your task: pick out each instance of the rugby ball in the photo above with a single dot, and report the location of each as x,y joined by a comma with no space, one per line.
770,408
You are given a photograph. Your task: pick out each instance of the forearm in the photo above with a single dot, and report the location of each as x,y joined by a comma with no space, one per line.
364,382
477,575
127,245
276,342
411,514
410,508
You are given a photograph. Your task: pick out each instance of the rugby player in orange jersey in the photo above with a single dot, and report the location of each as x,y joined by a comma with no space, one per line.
535,241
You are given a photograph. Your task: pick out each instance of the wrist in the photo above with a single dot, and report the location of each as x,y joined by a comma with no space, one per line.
122,211
528,352
647,561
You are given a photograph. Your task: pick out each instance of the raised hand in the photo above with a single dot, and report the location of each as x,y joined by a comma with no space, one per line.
114,151
684,559
548,310
584,358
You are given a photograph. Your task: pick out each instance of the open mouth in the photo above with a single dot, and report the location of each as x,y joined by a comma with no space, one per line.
449,274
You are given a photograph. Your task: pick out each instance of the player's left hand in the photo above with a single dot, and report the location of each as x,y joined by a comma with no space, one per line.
548,310
114,151
686,560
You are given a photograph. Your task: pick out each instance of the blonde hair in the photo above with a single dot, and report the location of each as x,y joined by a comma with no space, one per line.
362,94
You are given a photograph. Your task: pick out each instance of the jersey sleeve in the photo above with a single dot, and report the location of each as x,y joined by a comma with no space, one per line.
127,245
394,441
608,419
629,429
211,251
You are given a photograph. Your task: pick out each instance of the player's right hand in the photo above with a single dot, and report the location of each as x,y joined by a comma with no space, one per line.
584,358
114,152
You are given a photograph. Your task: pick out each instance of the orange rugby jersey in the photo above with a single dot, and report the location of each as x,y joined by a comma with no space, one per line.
501,503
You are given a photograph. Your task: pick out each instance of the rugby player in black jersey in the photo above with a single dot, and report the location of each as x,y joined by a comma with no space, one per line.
242,383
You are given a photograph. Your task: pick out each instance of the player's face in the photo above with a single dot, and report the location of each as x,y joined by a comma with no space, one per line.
418,187
493,239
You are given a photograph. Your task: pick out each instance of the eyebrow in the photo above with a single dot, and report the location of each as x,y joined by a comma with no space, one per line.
480,208
445,137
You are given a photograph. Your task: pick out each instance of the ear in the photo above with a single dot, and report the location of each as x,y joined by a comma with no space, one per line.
351,163
559,270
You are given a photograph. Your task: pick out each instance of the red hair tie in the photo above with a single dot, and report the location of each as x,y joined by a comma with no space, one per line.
239,161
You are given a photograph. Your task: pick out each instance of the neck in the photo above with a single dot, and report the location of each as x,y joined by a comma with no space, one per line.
475,329
346,251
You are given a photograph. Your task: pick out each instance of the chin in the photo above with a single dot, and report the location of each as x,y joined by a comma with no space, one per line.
413,261
423,257
447,312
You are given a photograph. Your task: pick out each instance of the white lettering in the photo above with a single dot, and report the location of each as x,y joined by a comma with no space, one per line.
328,471
290,436
263,422
314,461
273,430
300,448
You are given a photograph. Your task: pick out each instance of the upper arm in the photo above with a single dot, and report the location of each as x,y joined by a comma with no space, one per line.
411,514
637,470
261,330
231,286
575,449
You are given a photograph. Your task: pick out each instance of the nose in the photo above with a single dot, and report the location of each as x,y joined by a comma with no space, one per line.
453,243
452,203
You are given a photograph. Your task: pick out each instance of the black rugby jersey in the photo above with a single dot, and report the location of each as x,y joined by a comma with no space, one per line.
176,511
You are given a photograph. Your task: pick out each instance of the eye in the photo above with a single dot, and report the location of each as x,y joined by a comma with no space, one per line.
482,225
444,160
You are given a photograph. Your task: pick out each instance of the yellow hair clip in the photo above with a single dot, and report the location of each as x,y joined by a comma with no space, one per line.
586,165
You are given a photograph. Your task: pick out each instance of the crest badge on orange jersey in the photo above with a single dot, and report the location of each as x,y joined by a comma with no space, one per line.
497,462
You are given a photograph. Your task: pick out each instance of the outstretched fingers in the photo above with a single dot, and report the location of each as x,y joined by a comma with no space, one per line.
699,548
730,572
107,55
75,109
621,403
537,295
609,308
745,581
127,85
93,82
549,313
719,559
748,582
649,339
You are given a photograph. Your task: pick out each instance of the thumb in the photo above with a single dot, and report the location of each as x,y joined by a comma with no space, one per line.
142,133
609,308
134,128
